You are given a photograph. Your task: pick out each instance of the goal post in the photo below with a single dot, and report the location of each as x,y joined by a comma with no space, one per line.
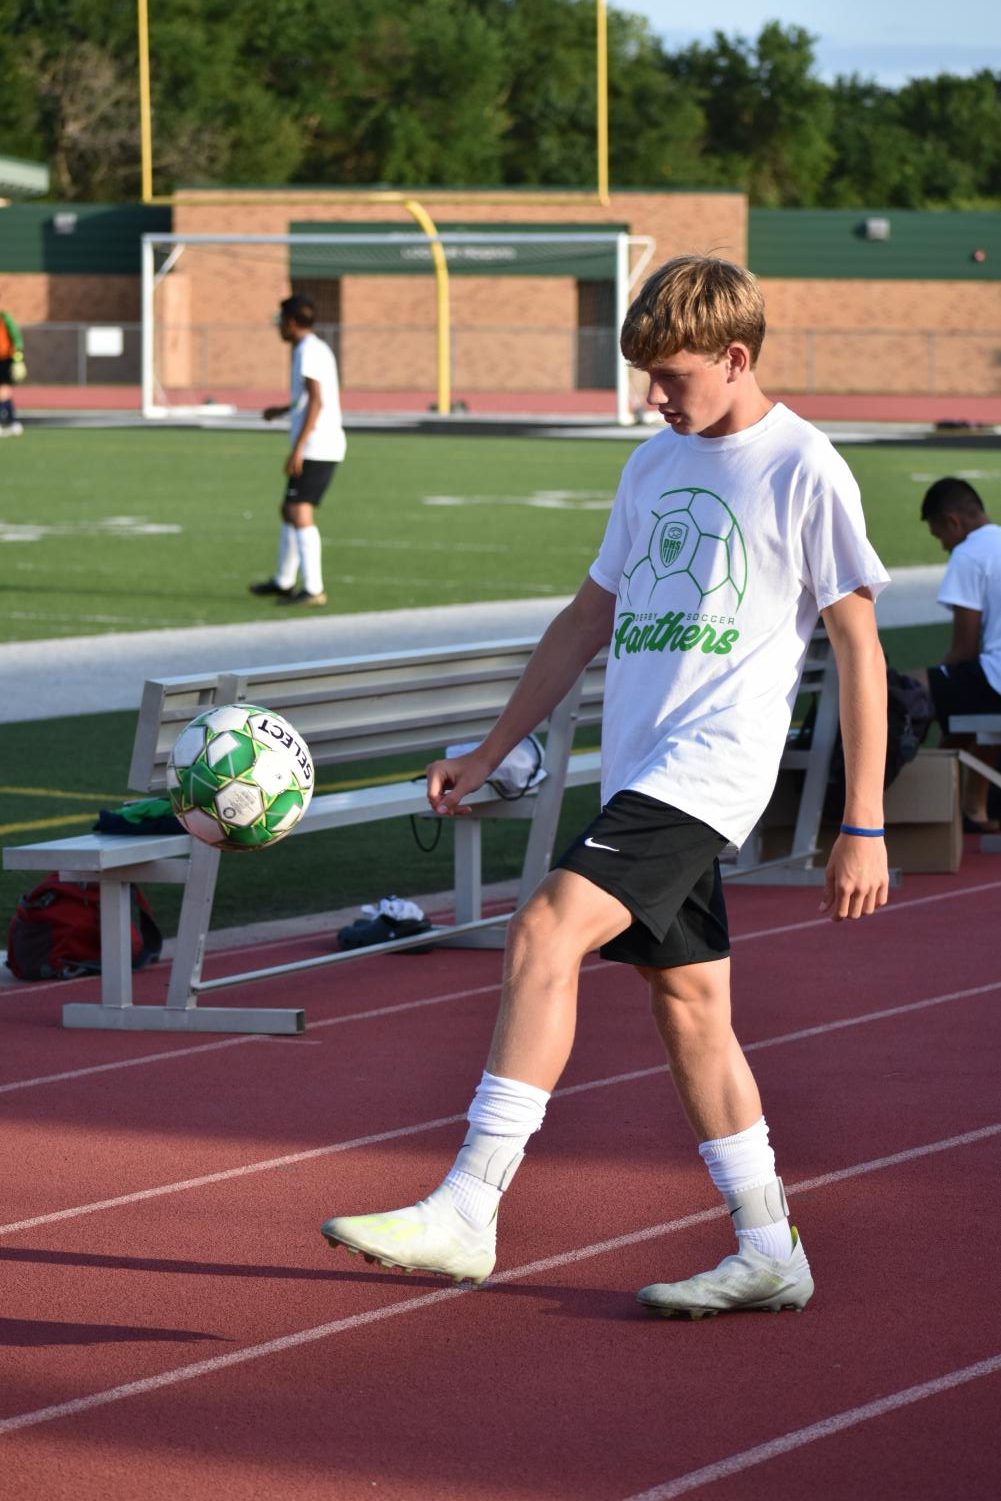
532,318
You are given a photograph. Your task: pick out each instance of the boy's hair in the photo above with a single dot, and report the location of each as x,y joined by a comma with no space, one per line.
299,310
950,496
695,302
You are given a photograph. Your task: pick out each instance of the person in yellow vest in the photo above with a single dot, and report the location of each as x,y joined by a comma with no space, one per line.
12,370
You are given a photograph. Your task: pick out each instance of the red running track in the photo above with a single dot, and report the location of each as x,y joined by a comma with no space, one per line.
173,1326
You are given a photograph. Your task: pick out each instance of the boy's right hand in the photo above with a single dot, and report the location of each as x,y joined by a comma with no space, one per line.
449,781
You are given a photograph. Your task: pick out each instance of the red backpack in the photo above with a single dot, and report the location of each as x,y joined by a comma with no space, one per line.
55,933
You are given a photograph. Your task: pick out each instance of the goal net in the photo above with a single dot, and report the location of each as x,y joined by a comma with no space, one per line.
489,322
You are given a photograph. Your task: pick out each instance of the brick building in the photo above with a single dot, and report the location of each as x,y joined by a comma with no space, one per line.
880,304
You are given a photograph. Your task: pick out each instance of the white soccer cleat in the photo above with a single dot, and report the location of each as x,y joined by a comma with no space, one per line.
431,1236
746,1280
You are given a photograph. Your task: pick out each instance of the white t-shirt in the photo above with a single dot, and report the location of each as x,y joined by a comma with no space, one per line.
721,551
973,580
312,358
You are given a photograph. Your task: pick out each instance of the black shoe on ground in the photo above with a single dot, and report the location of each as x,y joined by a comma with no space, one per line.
270,587
302,597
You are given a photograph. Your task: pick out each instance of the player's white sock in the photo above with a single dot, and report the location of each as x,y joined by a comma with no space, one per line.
287,566
747,1161
503,1115
309,559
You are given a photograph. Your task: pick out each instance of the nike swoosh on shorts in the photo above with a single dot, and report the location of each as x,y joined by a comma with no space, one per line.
593,844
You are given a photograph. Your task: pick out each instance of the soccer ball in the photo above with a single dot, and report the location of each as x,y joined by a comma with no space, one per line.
239,777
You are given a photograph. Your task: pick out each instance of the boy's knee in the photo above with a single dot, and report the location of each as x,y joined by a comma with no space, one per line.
534,925
692,990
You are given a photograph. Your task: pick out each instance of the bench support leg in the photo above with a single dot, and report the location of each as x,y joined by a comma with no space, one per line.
182,1012
193,926
801,870
468,869
116,944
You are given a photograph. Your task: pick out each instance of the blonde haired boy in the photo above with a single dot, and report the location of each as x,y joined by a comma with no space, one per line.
731,531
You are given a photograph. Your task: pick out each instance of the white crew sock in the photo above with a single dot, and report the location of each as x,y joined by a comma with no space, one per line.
501,1108
309,559
747,1161
287,566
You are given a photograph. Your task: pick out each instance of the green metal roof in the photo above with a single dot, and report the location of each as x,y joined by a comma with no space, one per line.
832,244
77,238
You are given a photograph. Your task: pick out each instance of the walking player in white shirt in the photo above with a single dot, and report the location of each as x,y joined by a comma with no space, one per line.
731,531
318,446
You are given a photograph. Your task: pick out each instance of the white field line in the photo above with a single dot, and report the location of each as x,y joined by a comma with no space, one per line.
414,1305
395,1009
399,1132
838,1422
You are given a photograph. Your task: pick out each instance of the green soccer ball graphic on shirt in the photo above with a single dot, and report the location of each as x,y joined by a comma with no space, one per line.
696,559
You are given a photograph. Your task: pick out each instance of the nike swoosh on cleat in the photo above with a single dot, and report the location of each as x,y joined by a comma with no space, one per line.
593,844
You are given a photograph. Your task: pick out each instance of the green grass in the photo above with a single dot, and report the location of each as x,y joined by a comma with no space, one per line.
138,529
522,517
201,519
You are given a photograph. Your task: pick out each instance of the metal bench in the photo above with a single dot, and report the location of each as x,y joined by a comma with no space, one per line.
359,709
987,729
348,710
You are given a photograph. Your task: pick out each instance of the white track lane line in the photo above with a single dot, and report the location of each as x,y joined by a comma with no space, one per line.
838,1422
439,1000
398,1132
413,1305
235,1042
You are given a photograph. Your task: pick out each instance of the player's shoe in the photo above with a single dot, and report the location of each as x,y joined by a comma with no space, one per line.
431,1236
746,1280
303,597
270,587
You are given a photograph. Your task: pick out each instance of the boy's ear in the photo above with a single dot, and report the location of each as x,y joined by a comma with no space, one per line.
738,358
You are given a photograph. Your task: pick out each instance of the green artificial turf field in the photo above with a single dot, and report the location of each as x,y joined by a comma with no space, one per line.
142,528
136,529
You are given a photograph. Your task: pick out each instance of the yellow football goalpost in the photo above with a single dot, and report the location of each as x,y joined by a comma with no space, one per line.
408,201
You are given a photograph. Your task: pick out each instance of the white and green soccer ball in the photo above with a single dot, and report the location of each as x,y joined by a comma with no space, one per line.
239,777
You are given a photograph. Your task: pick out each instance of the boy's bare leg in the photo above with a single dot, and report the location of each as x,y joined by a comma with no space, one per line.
453,1230
691,1008
566,918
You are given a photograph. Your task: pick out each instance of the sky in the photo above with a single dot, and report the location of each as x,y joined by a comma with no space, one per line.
886,40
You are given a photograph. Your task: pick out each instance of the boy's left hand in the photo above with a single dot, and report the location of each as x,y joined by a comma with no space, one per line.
857,881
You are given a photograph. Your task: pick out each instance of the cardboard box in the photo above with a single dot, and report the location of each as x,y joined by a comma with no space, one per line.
924,823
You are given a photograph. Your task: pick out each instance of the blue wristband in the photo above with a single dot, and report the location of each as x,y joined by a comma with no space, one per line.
850,828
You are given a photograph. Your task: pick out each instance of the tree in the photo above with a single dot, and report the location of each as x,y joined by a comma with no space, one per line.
768,119
462,93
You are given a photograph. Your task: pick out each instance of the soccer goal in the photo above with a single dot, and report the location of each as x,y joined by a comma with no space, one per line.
492,322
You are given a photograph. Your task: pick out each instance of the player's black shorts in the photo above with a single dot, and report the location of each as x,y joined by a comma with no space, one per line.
6,378
311,484
662,864
961,688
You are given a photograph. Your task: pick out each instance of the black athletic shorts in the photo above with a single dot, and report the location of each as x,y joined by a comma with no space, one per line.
663,865
961,688
6,377
311,484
